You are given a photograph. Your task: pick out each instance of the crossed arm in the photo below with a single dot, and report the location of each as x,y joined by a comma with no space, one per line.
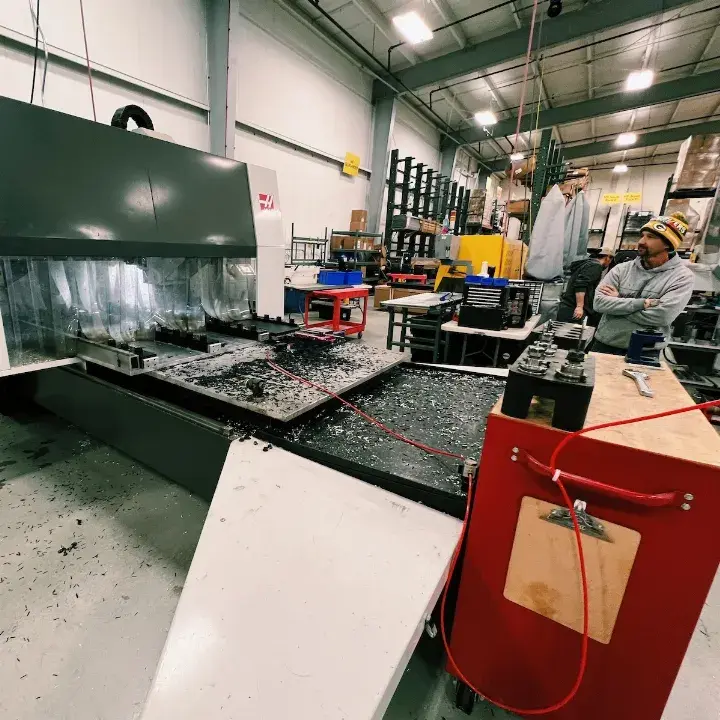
643,311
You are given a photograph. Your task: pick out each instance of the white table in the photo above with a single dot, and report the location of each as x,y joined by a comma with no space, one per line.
423,301
517,334
306,597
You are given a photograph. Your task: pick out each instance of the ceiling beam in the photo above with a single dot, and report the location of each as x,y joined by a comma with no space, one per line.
669,91
710,43
448,16
648,139
592,18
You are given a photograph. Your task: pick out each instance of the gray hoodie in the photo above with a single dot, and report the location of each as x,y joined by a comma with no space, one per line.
671,283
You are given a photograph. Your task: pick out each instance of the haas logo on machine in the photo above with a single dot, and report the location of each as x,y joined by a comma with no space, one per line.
267,201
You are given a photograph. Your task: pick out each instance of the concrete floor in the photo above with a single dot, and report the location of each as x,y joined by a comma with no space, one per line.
94,550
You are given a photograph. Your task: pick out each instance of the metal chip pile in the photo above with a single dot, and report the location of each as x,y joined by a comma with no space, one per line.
443,409
336,367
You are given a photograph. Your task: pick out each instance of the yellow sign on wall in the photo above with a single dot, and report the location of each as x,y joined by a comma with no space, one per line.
611,198
352,164
632,197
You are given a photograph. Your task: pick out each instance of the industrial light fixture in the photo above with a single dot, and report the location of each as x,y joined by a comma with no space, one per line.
517,156
639,80
620,168
413,28
485,118
555,8
626,139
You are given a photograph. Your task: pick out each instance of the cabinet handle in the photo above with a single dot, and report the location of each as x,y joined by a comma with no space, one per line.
667,499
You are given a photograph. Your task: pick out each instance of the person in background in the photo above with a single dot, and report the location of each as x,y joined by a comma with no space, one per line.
650,291
576,302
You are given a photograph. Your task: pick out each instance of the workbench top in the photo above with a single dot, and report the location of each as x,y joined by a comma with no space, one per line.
687,437
306,596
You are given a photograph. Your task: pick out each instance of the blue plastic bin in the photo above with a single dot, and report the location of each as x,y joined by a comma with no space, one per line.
332,277
353,277
478,280
487,281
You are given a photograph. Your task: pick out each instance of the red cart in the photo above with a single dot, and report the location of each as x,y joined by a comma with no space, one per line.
655,489
338,297
404,277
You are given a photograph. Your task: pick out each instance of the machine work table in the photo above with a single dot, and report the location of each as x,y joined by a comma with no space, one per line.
306,596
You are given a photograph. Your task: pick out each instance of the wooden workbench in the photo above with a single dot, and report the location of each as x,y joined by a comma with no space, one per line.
686,437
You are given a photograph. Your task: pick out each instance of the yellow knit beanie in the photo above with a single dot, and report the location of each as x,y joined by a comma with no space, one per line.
671,228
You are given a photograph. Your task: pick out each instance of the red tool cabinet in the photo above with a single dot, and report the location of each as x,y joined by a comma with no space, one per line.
659,480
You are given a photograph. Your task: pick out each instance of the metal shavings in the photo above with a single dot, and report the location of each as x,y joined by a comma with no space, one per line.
443,409
65,550
336,367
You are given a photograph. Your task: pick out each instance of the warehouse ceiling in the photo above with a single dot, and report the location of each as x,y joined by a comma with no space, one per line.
677,39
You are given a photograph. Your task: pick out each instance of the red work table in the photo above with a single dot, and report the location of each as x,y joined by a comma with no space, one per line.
338,297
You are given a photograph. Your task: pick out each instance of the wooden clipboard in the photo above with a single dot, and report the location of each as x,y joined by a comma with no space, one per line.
544,570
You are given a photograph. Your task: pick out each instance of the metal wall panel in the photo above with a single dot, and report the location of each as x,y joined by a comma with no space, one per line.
73,187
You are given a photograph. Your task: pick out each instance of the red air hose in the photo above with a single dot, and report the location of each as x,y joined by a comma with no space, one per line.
568,502
365,416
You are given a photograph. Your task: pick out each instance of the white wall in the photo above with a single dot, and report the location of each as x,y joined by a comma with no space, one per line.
649,181
465,170
293,85
313,194
143,53
414,136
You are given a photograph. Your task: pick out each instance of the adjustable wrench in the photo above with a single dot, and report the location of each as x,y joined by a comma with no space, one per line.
640,379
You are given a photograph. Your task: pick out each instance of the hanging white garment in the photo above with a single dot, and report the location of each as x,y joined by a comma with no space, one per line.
545,257
577,218
581,250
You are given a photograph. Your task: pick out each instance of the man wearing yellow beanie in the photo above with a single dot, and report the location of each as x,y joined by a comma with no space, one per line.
649,292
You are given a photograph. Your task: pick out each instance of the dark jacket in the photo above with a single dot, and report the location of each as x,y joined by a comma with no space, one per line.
584,277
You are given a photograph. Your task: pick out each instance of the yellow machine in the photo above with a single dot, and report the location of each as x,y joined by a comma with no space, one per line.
506,256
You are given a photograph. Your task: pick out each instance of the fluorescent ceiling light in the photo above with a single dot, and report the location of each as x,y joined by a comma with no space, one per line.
639,80
626,139
412,27
620,168
485,118
517,156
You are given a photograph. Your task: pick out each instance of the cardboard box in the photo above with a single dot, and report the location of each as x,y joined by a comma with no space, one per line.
698,164
358,220
368,243
518,207
382,293
342,242
424,264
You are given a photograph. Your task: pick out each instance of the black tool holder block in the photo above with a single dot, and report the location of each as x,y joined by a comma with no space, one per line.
572,397
566,335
